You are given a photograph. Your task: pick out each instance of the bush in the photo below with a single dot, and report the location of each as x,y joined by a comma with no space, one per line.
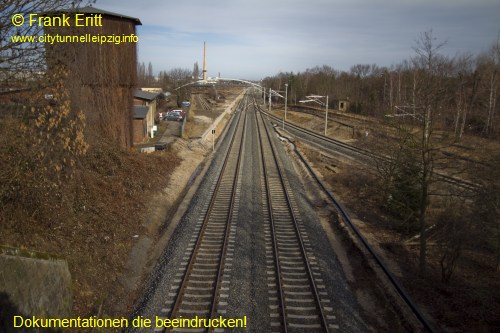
400,181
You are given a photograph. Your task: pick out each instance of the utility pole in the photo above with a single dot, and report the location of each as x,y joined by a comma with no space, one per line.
270,100
204,61
213,140
326,115
286,98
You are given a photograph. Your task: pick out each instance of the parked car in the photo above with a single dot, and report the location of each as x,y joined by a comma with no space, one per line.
175,115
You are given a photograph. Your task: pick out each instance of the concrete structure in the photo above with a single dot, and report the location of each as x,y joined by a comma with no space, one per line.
33,284
341,104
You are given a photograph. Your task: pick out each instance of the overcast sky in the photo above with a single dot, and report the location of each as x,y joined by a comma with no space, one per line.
251,39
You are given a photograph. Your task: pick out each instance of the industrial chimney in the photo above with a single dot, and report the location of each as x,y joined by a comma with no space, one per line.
204,61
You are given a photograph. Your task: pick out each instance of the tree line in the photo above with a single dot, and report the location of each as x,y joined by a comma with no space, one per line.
167,80
429,103
469,95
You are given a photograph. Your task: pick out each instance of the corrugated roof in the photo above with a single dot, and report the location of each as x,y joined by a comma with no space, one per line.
140,111
93,10
146,95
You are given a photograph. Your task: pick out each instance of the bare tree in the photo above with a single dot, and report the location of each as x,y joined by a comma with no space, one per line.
150,75
429,93
180,76
493,85
52,141
141,74
466,95
22,62
360,70
196,71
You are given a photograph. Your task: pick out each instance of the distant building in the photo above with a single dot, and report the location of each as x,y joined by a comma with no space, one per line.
161,98
102,76
150,100
140,124
340,104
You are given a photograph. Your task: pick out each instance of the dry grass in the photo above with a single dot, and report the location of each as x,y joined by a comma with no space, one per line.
469,302
90,219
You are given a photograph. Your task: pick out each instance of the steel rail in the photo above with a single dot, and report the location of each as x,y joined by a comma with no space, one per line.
403,294
345,216
273,235
448,179
296,229
182,288
228,226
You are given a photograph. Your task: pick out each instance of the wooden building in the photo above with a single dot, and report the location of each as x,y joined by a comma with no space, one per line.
150,100
140,124
102,74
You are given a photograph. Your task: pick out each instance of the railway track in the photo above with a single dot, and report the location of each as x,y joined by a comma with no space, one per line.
202,103
298,300
201,284
297,296
361,155
347,220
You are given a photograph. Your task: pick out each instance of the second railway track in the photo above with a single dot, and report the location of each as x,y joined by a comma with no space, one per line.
297,294
359,154
250,248
298,300
199,290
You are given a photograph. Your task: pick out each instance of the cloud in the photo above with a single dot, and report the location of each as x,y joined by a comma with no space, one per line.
260,37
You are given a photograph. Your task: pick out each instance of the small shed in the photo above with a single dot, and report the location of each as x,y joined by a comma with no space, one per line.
149,99
140,124
341,104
